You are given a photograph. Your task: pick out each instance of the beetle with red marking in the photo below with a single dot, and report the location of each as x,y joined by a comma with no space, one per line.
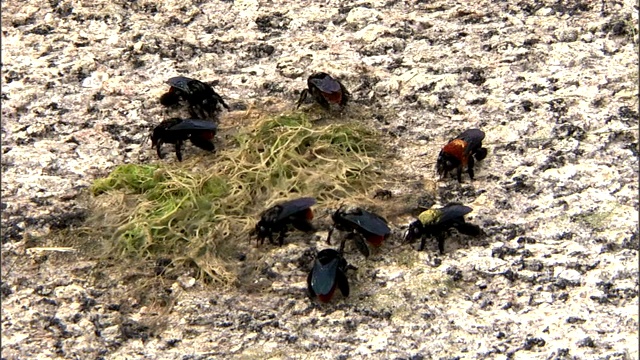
363,226
177,131
203,100
438,223
325,90
462,152
328,273
282,217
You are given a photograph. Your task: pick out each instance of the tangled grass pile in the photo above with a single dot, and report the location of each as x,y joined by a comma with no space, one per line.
201,212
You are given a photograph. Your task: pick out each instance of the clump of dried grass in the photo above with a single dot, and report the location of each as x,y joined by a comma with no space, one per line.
201,211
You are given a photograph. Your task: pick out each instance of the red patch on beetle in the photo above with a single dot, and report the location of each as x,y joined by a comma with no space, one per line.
457,148
309,214
375,240
208,135
326,298
335,97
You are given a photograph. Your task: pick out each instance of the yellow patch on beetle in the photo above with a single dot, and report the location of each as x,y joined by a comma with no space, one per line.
429,216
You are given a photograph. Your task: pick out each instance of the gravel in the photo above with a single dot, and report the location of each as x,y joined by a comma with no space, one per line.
554,85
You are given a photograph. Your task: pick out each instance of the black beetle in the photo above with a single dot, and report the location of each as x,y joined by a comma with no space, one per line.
176,131
328,272
279,218
460,153
362,225
202,99
438,222
325,90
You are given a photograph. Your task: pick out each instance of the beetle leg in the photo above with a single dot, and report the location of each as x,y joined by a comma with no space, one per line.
198,112
361,244
303,97
423,242
281,237
252,233
311,293
193,113
323,102
179,150
202,113
218,98
342,243
470,164
329,235
343,283
158,148
271,241
206,108
459,173
206,111
440,238
179,93
345,95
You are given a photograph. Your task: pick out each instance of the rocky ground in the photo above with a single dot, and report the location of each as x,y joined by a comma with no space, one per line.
554,84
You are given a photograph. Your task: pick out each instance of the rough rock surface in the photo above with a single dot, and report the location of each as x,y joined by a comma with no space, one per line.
552,83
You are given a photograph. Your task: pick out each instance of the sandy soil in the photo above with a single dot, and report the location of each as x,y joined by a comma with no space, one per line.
554,84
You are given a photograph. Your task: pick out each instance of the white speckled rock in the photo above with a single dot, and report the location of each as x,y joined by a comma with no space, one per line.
552,84
361,16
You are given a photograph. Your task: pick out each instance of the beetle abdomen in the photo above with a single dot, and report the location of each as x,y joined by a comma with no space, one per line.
309,214
325,298
335,97
375,240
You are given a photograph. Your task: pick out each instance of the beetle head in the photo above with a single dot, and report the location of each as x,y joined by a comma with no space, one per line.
170,98
414,232
338,214
262,229
155,136
446,163
327,255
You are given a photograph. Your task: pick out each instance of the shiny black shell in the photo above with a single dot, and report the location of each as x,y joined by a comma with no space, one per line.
324,82
329,271
284,210
360,219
